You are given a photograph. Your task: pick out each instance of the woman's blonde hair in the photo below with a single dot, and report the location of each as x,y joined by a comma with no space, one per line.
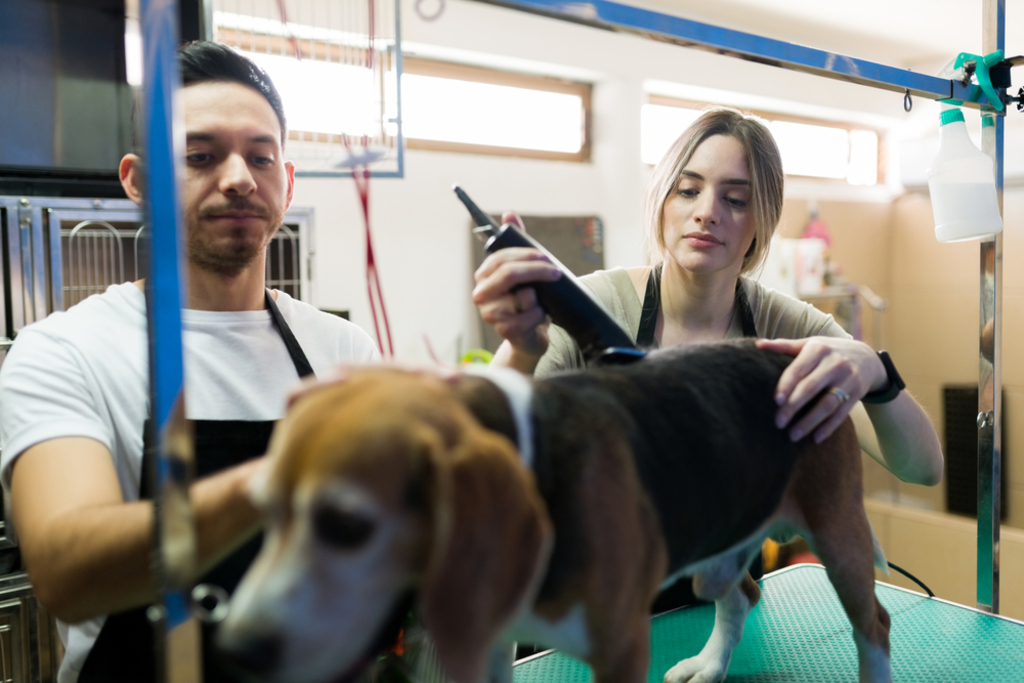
766,179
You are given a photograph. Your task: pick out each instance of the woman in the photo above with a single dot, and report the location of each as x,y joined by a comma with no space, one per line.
712,207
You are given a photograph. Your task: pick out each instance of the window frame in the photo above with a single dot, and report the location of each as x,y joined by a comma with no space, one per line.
681,103
477,74
272,44
263,43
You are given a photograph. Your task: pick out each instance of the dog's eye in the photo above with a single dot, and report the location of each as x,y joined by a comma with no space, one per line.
341,529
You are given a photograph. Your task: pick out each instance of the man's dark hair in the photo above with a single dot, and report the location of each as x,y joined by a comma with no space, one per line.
203,61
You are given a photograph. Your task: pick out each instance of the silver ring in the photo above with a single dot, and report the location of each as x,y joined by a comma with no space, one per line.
840,394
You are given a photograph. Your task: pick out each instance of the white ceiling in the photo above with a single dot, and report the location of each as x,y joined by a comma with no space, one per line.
918,34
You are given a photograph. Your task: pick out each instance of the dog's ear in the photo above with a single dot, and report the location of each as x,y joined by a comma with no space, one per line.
489,552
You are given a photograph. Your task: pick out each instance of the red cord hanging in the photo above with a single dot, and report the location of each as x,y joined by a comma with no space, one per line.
361,176
292,39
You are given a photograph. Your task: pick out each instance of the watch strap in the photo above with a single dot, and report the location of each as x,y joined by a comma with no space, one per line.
894,387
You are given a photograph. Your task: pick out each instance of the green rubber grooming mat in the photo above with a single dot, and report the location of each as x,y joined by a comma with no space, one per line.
799,632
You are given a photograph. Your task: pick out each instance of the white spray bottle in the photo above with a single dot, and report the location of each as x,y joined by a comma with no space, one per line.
962,185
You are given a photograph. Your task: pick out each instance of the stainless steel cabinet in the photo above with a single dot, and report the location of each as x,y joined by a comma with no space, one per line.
30,649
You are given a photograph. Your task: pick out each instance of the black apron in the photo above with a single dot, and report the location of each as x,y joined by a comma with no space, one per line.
652,303
680,593
124,650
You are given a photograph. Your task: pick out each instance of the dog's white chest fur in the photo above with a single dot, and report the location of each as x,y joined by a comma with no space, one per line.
519,393
569,634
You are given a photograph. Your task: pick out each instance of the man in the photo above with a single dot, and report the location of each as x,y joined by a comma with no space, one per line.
74,388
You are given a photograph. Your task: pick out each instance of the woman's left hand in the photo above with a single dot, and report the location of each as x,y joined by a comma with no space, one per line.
829,375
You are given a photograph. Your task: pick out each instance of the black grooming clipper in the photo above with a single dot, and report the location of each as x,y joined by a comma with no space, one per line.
569,304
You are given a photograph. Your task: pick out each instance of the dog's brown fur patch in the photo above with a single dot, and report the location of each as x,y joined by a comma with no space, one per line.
482,550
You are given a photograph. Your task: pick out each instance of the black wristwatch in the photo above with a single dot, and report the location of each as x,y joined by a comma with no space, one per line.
896,384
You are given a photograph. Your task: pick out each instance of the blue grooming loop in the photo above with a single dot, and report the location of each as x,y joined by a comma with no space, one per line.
799,632
164,148
164,139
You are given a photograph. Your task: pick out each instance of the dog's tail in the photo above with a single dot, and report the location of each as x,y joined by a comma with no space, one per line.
880,562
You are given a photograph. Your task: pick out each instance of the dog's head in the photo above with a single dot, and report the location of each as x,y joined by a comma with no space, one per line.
372,488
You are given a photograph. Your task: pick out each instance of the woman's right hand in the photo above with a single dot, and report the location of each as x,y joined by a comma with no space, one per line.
515,315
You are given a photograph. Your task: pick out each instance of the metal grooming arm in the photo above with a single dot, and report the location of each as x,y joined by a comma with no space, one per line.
620,18
665,28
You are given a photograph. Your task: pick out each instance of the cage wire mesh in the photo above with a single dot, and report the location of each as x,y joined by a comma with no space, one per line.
343,82
93,259
97,254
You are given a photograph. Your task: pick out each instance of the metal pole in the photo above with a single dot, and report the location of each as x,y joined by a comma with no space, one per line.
990,409
176,632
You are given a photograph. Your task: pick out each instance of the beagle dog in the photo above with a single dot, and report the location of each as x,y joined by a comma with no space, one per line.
546,511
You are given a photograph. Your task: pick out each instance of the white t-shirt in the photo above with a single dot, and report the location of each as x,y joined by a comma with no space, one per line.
85,373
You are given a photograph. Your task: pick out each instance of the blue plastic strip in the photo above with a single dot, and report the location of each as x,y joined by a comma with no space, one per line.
613,16
164,148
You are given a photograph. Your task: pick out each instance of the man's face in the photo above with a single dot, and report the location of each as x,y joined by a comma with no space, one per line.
237,185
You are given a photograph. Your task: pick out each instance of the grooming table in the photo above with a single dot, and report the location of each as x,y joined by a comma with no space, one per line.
799,632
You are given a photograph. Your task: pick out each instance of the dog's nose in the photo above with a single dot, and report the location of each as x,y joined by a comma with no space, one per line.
253,654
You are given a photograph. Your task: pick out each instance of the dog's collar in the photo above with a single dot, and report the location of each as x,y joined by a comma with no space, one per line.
519,391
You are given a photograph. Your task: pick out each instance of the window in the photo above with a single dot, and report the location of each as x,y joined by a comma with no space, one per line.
447,107
459,108
342,85
317,95
809,147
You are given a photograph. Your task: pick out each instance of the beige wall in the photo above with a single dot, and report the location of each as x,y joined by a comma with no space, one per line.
931,326
931,329
940,550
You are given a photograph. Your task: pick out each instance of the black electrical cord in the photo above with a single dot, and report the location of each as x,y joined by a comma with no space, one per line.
913,578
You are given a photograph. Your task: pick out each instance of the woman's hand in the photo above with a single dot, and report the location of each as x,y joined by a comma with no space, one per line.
828,374
513,311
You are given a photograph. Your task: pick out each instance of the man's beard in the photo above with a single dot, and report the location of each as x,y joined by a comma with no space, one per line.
232,258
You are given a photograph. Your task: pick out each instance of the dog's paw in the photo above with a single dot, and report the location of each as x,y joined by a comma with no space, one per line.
699,669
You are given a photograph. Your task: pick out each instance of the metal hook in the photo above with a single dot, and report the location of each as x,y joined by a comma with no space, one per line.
908,103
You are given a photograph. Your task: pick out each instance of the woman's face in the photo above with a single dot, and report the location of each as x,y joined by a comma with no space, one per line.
707,223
